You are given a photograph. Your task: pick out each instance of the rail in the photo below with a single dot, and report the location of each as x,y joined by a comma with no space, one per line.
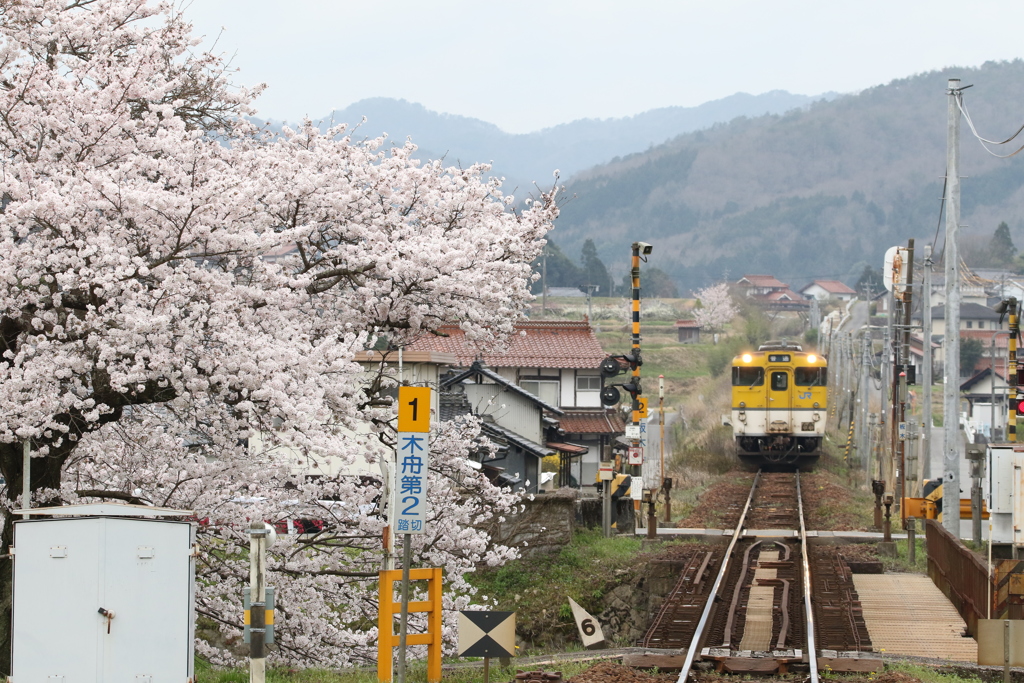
812,651
702,625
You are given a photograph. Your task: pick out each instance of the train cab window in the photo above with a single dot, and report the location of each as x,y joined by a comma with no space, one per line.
780,381
748,377
810,377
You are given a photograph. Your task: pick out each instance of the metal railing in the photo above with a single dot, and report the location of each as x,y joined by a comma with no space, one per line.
960,574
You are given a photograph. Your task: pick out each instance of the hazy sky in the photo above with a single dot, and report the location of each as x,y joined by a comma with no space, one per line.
529,64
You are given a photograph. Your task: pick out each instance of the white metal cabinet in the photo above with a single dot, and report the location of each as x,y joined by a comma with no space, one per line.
67,569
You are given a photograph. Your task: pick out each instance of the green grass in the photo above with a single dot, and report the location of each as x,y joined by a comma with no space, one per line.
537,588
930,675
415,673
901,563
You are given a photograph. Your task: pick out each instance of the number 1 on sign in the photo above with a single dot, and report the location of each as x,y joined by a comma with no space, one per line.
414,409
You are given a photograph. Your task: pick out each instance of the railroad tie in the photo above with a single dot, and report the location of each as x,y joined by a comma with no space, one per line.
758,623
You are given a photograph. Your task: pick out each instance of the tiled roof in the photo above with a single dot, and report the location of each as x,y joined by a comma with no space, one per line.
985,337
687,323
494,431
762,281
968,311
536,344
592,422
831,286
571,448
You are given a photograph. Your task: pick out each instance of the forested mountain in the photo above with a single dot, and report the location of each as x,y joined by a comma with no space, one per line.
815,192
568,147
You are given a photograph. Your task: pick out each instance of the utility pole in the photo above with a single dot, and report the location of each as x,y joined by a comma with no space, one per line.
908,297
544,283
951,338
885,366
865,385
926,367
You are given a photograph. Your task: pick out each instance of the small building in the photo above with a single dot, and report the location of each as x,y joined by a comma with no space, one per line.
978,392
823,290
688,331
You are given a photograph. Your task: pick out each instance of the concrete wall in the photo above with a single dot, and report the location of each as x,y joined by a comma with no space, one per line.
545,526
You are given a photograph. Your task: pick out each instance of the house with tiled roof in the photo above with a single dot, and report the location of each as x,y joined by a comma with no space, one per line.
557,362
512,419
760,285
771,293
823,290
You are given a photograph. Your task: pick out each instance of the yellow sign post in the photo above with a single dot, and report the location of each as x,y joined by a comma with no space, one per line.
414,409
386,637
641,402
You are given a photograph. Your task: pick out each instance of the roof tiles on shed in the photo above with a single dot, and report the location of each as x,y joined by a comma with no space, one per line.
535,344
592,422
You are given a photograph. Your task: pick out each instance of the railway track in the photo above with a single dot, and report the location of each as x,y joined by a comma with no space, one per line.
749,607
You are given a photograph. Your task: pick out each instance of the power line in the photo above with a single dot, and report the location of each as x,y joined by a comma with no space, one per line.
984,141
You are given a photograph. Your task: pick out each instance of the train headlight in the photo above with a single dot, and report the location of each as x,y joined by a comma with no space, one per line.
811,358
747,358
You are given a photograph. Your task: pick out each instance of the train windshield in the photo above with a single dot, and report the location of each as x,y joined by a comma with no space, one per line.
780,381
810,377
748,377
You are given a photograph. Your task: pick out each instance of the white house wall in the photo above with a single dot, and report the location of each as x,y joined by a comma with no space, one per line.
509,410
568,383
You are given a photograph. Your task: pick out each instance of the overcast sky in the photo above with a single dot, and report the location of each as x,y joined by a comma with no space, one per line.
529,64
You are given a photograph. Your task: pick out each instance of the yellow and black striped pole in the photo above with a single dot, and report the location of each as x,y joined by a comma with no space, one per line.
637,470
1011,372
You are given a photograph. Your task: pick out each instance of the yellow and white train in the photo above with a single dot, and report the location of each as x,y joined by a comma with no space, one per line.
779,395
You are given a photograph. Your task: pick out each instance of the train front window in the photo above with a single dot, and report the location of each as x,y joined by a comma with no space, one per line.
780,381
810,377
748,377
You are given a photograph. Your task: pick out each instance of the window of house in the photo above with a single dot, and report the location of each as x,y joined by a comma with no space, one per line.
970,324
545,391
981,324
588,383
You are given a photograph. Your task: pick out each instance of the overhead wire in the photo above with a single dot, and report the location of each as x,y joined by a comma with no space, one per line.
959,98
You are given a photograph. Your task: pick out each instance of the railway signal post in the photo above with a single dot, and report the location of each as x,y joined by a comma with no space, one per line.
640,250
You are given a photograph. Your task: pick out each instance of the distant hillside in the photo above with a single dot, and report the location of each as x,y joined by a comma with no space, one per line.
569,147
812,193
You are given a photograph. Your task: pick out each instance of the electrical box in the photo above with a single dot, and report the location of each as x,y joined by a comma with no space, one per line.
99,597
1004,492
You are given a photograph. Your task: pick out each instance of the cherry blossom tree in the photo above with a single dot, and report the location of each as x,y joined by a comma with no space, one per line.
174,283
716,309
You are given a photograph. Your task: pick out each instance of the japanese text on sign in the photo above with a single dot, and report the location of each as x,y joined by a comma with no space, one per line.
411,482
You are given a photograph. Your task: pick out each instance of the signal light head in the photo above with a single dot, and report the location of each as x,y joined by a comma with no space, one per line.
610,367
610,396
